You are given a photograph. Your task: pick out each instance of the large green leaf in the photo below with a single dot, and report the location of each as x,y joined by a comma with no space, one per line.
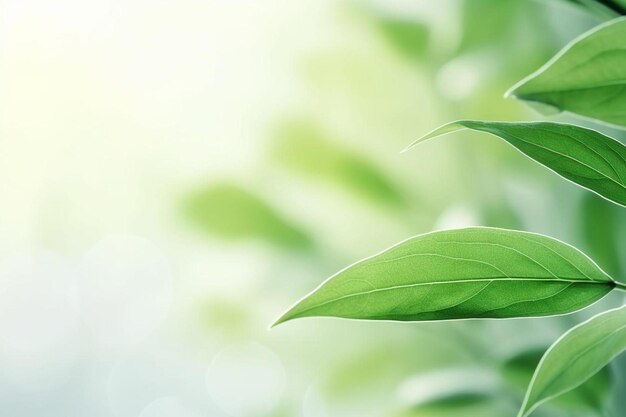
577,356
461,274
583,156
588,77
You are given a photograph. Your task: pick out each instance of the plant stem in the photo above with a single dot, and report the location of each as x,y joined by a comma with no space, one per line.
620,286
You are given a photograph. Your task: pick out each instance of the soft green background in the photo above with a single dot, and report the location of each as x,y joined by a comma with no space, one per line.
176,173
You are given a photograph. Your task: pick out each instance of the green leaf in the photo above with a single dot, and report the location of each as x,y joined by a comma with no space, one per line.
460,406
577,356
308,150
592,395
600,227
584,156
588,77
231,213
408,37
461,274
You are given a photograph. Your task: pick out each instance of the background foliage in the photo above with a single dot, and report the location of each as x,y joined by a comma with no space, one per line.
175,172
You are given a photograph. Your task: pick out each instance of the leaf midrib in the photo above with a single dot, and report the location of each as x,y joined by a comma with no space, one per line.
602,175
458,281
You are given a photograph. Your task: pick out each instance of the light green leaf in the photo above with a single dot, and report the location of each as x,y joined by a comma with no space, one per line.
308,150
584,156
588,77
460,406
592,395
408,37
461,274
232,213
577,356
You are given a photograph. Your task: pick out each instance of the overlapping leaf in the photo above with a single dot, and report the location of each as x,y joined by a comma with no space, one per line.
461,274
583,156
577,356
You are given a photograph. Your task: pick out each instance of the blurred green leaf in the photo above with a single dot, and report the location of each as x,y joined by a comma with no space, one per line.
306,149
588,77
486,22
592,395
460,405
600,227
229,212
459,274
578,355
408,37
604,8
583,156
500,214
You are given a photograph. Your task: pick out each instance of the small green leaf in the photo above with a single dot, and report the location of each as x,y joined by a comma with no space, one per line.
592,395
231,213
461,274
577,356
460,406
584,156
588,77
308,150
408,37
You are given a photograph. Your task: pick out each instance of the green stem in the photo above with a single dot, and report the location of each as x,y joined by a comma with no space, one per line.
620,286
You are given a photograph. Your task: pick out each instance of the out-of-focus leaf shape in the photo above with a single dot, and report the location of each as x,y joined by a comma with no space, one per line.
577,356
584,156
232,213
591,395
460,274
601,229
610,8
461,405
485,22
408,37
588,77
305,149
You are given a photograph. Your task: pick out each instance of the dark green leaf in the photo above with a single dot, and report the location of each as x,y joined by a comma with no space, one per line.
461,274
583,156
588,77
577,356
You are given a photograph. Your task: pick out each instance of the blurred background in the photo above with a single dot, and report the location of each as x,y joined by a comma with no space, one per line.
174,174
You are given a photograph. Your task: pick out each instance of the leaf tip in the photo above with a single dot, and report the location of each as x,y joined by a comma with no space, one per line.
440,131
289,315
281,319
